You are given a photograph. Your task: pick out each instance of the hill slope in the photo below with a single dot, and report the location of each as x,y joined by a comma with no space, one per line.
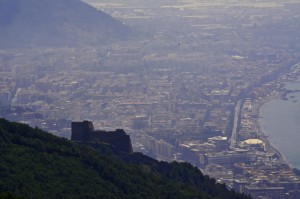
26,23
37,164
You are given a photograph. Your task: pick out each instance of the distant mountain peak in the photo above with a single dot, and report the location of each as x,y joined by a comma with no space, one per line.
56,23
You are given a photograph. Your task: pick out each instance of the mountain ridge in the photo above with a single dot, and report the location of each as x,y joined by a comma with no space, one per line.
33,23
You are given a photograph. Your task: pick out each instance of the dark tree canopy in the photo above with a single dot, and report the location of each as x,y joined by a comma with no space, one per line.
36,164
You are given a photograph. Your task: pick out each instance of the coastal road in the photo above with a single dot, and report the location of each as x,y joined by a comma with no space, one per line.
233,139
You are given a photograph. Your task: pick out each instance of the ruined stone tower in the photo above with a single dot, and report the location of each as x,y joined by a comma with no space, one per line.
84,132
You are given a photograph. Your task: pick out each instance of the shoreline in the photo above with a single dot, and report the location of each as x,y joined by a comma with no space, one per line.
279,93
275,95
269,142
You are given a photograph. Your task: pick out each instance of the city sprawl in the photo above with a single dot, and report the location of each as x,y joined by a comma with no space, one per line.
188,91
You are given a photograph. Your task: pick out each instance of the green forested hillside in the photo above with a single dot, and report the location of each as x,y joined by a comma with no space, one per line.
36,164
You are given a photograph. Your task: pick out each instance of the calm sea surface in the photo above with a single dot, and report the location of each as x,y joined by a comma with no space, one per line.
281,123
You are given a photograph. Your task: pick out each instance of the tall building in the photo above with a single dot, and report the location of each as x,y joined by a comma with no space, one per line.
229,158
220,142
258,191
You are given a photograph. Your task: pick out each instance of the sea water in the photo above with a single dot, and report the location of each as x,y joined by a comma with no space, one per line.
280,121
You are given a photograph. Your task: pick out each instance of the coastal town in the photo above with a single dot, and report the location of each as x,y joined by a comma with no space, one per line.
190,94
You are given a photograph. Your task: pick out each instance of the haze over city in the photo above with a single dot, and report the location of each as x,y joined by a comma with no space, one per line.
212,83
